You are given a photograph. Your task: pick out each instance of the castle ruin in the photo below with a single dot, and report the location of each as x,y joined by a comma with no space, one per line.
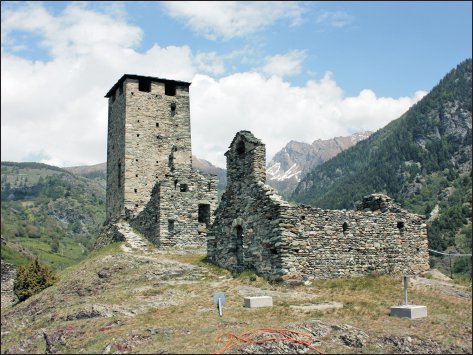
150,179
151,185
255,229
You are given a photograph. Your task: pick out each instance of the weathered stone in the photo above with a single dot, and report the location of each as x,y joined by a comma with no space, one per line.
150,180
307,242
151,183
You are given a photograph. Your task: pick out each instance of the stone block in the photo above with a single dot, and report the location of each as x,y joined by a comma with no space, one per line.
258,301
409,311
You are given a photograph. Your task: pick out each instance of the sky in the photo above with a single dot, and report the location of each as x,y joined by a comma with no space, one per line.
283,70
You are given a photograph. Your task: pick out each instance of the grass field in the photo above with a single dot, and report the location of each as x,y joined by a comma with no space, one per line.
162,303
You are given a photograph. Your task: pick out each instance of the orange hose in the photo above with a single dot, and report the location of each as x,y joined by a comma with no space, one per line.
248,336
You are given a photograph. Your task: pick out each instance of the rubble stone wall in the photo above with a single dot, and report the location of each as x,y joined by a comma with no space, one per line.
246,233
331,243
255,229
150,180
171,217
115,157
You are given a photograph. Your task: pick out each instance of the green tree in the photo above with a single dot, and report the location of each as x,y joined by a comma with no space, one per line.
32,279
55,245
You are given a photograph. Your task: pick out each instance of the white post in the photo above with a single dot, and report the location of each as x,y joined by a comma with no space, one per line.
220,306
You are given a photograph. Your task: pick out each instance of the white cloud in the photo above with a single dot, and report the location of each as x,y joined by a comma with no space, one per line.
55,110
284,64
228,19
209,63
277,112
76,32
58,107
337,19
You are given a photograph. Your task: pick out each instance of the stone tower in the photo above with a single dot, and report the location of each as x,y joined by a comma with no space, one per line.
150,180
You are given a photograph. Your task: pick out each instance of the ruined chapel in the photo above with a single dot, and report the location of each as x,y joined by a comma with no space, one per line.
255,229
152,185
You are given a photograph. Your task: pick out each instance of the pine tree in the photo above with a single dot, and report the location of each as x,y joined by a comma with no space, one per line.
32,279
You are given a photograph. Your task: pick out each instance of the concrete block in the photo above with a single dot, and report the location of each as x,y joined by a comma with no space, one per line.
409,311
259,301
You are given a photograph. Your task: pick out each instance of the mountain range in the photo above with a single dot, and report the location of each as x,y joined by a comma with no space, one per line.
296,159
284,171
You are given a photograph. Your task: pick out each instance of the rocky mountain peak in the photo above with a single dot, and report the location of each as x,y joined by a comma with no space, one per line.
296,159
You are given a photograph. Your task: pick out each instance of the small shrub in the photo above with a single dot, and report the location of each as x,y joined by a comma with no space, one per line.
248,274
54,245
32,279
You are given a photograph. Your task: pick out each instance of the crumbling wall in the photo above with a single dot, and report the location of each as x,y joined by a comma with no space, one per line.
246,233
150,180
109,234
174,216
8,274
255,229
331,243
246,230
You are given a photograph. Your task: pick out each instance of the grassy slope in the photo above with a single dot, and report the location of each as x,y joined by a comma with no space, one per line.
48,212
146,304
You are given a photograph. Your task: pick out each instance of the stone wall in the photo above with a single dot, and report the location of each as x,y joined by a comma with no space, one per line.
115,156
329,243
246,233
172,217
246,161
149,162
109,234
255,229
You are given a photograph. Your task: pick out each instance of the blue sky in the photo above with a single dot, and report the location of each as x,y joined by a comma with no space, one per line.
285,70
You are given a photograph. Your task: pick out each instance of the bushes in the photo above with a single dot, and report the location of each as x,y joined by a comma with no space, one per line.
32,279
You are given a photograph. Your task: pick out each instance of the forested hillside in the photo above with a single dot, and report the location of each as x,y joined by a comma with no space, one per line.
49,212
422,160
56,213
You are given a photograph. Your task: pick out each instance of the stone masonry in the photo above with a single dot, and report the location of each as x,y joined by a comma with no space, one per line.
150,180
255,229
